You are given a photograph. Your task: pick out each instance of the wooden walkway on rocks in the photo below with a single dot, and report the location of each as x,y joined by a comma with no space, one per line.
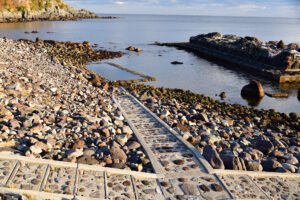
180,171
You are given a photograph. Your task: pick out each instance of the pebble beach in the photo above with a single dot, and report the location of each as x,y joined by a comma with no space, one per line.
61,111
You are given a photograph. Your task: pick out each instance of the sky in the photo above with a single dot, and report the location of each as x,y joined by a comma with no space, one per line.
261,8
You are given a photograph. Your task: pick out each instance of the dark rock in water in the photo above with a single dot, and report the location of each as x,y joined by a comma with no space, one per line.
264,146
35,31
132,48
293,116
253,89
212,156
298,96
281,45
223,95
176,63
38,39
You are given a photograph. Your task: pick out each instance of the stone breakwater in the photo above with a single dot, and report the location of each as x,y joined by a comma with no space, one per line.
273,59
51,109
48,14
229,136
274,53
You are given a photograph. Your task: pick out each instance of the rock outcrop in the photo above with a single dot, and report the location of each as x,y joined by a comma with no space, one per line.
273,54
42,10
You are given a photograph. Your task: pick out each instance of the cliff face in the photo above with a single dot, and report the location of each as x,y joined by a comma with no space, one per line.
34,10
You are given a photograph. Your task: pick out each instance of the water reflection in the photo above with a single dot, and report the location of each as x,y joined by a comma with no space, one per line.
253,101
196,74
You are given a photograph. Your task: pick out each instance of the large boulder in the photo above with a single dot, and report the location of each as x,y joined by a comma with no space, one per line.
270,165
281,45
253,89
117,153
264,146
233,162
212,156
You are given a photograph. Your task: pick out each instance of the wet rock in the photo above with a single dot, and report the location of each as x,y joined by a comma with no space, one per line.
253,89
176,63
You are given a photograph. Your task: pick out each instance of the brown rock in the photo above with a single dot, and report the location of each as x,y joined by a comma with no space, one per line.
179,162
165,184
253,89
78,144
117,153
212,156
216,187
105,132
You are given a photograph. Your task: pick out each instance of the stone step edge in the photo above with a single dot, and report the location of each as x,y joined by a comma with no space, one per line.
201,159
155,164
256,173
35,194
10,156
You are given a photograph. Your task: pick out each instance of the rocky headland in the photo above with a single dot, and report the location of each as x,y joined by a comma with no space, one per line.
42,10
229,136
53,107
273,59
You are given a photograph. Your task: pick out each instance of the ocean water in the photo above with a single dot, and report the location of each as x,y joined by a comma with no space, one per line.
196,74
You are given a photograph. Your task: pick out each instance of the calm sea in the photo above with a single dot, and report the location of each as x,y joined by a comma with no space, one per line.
196,74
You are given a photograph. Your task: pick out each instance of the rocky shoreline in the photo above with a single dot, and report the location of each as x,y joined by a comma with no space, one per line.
273,60
53,13
229,136
51,109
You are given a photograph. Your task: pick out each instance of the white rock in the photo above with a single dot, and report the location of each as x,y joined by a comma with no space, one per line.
127,130
75,153
35,149
121,139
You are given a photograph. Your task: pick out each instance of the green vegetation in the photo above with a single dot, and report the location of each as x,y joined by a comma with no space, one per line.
30,5
21,8
48,4
34,8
